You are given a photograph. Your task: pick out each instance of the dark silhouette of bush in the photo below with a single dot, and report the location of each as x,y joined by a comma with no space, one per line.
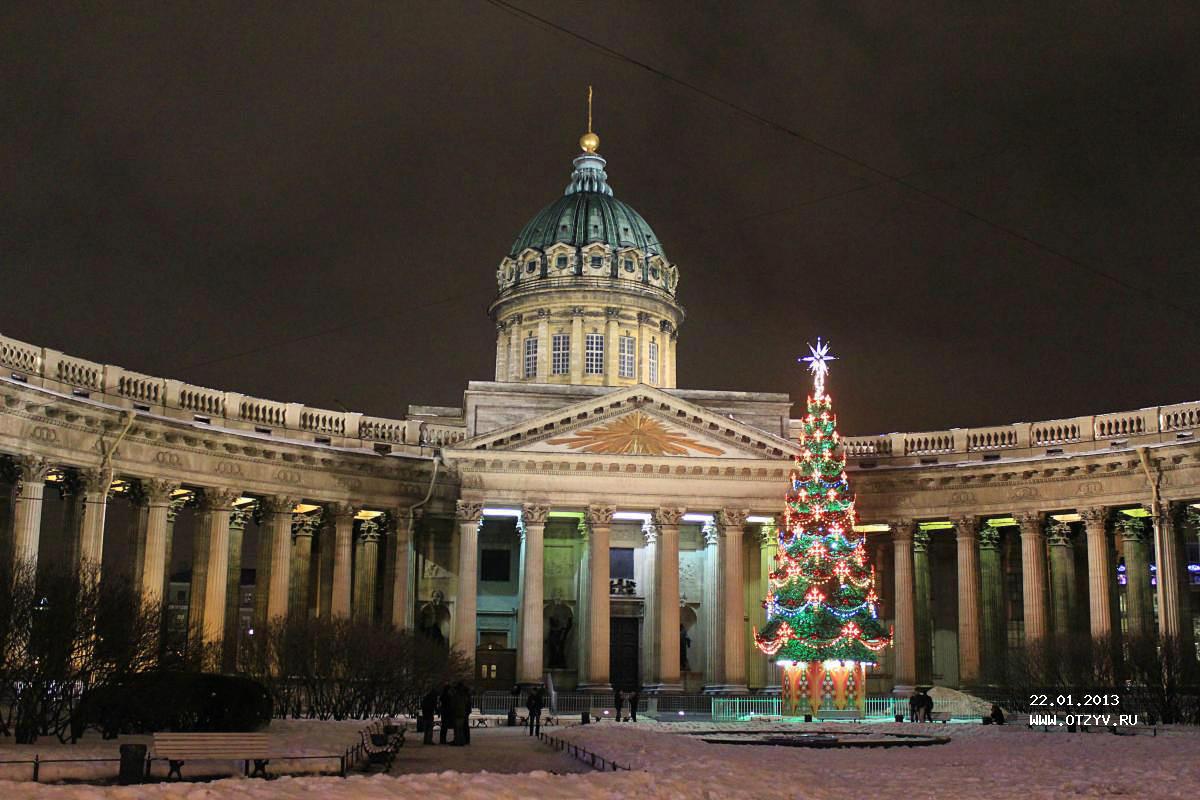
173,701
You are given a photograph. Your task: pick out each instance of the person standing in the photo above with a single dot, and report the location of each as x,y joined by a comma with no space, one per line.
462,729
429,704
445,712
634,698
618,702
927,707
534,704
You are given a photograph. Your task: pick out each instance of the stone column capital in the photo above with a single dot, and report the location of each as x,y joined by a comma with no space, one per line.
177,504
768,535
902,529
711,535
96,481
534,514
32,468
468,512
650,531
279,503
669,516
342,510
989,538
732,520
218,498
158,491
920,541
1058,534
1133,529
1030,523
305,525
965,527
370,530
600,515
1094,517
240,516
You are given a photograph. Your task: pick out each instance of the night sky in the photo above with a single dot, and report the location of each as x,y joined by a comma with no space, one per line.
308,202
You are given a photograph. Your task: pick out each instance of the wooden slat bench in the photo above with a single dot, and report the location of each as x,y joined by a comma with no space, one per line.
939,716
178,748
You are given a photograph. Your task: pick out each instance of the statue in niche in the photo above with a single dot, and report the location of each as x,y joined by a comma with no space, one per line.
433,615
556,642
685,642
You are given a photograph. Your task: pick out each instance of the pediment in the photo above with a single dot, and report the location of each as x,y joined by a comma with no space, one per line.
638,421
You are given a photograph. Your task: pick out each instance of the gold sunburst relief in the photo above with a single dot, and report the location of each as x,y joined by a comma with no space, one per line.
634,434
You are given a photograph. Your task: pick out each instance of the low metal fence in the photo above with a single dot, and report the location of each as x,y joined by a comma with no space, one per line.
595,760
880,707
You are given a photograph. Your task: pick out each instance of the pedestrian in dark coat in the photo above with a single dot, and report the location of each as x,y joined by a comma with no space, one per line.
619,702
445,712
429,704
634,699
927,708
462,731
534,704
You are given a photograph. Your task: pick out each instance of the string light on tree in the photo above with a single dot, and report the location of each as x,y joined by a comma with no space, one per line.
821,601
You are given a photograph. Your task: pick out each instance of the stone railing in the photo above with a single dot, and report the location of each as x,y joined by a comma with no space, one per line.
107,383
1159,424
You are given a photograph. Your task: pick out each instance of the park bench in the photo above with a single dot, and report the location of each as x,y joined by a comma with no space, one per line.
178,748
546,717
380,748
839,715
477,719
939,716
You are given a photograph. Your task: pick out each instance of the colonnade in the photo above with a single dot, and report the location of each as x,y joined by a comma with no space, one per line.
1048,600
727,633
346,567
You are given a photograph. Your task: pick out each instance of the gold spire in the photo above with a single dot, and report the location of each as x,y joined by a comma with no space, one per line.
589,142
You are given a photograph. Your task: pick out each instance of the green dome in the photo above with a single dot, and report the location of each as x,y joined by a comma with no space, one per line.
588,213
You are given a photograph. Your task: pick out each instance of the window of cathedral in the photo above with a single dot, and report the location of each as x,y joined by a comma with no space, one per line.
561,262
560,354
629,265
597,261
531,267
531,354
593,357
653,359
625,355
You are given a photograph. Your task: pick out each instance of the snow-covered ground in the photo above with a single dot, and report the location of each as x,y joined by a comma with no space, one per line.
979,762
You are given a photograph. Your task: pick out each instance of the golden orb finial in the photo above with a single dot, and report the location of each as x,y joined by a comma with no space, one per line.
589,142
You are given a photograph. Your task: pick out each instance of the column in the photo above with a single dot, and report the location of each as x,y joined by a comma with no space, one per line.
1138,609
667,594
325,569
155,564
199,582
906,633
768,547
611,349
924,621
303,528
279,521
1174,613
643,348
515,356
470,517
217,504
96,484
733,590
543,340
993,632
968,601
1095,521
70,489
176,505
238,519
501,353
711,602
368,571
1062,576
27,510
1033,576
583,601
649,651
529,654
577,345
139,520
599,523
401,611
343,543
674,343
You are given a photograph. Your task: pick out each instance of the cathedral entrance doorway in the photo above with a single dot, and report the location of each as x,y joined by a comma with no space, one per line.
624,654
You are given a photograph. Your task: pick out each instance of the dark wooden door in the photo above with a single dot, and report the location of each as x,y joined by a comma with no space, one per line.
623,654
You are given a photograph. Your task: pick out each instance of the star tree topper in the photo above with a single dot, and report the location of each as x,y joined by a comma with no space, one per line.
818,364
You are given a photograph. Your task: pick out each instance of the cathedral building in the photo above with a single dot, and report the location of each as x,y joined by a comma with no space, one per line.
580,515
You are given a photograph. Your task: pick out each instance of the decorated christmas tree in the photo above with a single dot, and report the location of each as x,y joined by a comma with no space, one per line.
822,628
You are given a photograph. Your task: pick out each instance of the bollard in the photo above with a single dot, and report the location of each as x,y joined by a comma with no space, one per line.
585,717
133,764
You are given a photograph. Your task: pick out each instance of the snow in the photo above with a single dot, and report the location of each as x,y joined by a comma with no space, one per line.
979,762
